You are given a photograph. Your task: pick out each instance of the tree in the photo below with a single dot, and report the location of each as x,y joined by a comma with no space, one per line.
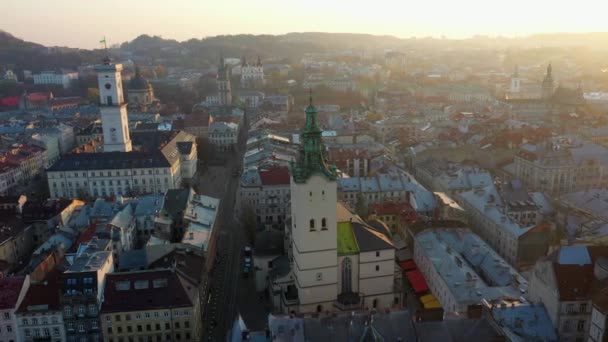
361,208
204,149
93,95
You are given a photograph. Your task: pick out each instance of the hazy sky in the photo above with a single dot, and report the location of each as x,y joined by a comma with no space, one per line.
82,23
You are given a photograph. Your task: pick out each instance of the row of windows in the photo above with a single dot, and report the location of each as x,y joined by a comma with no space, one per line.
43,320
46,332
148,327
111,183
323,224
116,173
147,315
168,337
80,309
80,327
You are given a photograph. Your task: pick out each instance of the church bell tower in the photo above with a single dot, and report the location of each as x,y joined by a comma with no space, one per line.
314,220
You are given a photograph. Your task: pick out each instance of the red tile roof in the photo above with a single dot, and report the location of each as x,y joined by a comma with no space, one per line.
9,291
44,293
40,96
275,176
402,209
169,295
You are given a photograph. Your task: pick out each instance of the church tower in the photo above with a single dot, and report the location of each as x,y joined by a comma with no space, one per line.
114,119
547,86
314,227
223,85
515,81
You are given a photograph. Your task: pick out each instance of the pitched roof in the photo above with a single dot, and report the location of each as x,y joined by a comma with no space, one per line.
275,176
45,294
136,291
110,161
574,272
9,291
370,240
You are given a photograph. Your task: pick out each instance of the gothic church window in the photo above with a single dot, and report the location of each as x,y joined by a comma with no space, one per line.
346,275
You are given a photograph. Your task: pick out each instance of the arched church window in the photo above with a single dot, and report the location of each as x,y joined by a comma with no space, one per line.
324,223
312,224
347,267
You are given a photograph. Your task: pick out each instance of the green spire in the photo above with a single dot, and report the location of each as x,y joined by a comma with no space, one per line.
312,158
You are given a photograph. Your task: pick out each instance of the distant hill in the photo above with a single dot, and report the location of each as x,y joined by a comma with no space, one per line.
21,55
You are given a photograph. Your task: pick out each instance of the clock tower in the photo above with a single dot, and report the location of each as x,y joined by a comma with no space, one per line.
114,119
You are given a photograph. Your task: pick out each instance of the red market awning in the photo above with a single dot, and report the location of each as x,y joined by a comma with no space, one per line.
408,265
417,280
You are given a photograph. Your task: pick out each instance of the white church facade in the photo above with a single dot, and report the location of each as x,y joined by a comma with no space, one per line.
338,262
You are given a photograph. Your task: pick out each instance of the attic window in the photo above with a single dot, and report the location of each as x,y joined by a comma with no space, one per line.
123,285
140,284
158,283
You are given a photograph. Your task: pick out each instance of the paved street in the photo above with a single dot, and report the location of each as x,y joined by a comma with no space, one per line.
219,181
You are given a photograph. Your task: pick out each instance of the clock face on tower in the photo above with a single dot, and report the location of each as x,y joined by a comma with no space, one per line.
108,86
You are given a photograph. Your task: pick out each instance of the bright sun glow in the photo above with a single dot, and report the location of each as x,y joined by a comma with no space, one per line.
81,23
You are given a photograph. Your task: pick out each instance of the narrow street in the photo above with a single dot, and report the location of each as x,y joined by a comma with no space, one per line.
220,182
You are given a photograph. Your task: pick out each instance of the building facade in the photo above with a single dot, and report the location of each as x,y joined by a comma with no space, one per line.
520,244
267,192
563,165
137,307
160,161
81,293
252,75
12,292
223,135
39,316
63,79
565,282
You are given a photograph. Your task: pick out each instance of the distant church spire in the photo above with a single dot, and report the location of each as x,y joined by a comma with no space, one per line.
548,83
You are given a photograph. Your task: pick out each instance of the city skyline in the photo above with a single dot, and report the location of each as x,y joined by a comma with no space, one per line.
188,19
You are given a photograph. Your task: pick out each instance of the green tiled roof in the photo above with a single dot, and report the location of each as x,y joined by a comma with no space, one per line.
346,239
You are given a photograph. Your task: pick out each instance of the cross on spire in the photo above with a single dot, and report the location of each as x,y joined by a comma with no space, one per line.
310,96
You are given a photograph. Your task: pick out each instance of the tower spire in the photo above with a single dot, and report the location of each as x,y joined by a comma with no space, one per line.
310,96
312,156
